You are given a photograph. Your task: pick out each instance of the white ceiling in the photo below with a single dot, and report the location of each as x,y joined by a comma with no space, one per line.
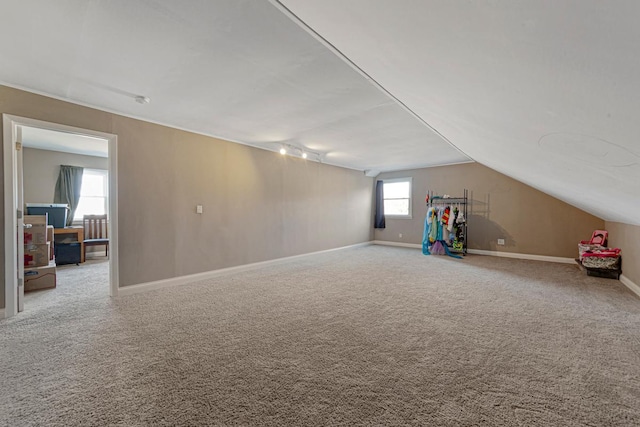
542,91
45,139
239,70
546,92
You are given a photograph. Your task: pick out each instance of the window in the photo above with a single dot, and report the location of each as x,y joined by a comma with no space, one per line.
397,197
93,194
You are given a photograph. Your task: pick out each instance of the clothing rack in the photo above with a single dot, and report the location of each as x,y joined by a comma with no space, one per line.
462,203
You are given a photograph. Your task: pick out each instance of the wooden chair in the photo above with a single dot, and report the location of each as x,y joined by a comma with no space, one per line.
95,232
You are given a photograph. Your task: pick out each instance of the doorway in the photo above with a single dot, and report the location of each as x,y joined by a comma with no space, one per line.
18,135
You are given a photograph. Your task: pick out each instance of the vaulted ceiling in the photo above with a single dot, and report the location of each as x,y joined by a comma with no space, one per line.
542,91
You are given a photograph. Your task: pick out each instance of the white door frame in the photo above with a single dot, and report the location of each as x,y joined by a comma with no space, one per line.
20,220
10,134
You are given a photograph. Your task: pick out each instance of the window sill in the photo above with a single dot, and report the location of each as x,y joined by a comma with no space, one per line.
398,217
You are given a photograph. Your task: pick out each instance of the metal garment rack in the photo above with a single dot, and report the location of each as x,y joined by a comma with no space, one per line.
463,202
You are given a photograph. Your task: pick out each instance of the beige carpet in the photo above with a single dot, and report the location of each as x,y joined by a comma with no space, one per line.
366,336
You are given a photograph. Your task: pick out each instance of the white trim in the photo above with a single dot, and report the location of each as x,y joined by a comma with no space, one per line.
184,280
10,125
10,219
557,259
398,244
490,253
399,179
635,288
112,223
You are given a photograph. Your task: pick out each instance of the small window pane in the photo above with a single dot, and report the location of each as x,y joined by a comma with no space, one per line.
93,186
93,194
396,207
396,190
90,206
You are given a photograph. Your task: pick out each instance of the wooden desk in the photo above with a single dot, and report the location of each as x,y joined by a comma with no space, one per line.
76,234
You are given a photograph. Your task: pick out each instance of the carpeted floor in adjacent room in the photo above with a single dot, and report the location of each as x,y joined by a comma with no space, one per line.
364,336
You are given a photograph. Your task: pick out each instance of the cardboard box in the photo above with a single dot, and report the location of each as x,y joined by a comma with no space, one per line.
35,219
37,234
37,255
40,278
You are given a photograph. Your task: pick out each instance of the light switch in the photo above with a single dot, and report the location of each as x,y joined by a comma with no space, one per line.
199,209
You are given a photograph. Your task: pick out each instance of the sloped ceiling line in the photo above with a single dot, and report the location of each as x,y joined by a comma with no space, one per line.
545,95
353,65
496,77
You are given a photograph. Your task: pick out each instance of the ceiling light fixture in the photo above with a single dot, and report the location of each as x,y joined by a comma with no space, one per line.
294,150
142,99
285,148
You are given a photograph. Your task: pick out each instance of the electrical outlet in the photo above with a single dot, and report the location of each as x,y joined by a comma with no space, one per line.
501,242
199,209
400,235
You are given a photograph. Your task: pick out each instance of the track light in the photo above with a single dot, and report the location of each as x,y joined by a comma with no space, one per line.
294,150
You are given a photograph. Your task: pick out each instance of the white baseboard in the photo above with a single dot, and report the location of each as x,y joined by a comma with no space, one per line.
183,280
398,244
558,259
483,252
629,284
635,288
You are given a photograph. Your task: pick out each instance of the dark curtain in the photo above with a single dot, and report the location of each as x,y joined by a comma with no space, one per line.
68,189
379,220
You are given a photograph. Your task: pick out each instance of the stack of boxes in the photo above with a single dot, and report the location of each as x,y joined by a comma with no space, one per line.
39,262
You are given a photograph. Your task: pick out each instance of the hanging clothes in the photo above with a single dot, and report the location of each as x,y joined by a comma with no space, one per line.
433,229
444,227
452,219
427,232
446,215
458,242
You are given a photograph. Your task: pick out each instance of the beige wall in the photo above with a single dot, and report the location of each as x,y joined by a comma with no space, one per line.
530,221
258,205
41,169
627,238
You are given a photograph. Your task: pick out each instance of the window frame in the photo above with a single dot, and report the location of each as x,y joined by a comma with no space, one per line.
410,198
105,175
